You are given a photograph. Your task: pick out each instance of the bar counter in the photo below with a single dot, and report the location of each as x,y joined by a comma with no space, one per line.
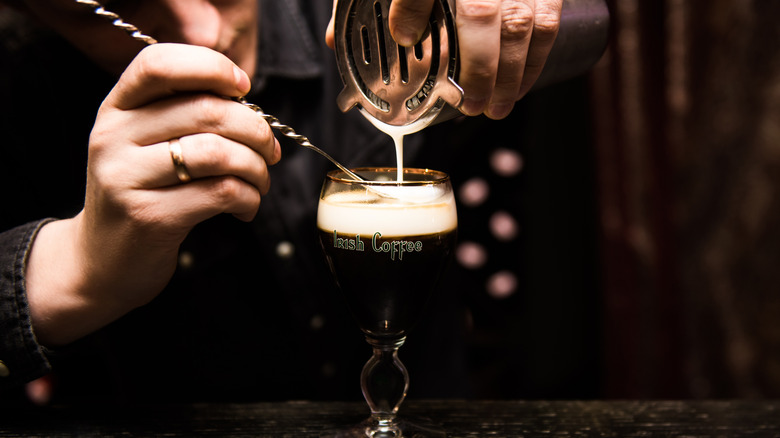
461,418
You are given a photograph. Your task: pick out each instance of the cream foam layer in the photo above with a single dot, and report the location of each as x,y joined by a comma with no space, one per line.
365,214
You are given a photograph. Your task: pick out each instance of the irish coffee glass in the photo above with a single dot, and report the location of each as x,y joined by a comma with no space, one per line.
387,241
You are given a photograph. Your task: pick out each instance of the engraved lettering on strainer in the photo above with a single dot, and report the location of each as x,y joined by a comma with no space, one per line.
395,85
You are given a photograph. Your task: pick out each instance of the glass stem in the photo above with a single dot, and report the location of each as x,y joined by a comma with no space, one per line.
384,380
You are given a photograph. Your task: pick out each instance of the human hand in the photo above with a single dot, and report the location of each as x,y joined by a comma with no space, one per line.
503,45
121,249
171,92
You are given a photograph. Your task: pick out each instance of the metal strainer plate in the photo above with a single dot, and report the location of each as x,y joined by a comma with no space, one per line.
398,86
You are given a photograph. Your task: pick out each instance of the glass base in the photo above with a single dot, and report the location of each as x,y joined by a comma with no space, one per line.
398,428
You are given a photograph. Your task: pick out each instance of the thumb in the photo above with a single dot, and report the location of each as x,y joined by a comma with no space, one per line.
408,20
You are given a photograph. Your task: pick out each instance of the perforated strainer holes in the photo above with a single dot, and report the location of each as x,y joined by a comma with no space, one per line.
366,45
380,35
418,51
403,65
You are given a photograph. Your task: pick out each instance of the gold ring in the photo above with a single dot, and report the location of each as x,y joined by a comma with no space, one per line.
174,146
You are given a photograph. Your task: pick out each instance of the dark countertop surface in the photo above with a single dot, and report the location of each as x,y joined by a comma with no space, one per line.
461,418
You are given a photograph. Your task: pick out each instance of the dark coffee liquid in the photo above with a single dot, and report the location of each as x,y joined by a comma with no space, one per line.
387,280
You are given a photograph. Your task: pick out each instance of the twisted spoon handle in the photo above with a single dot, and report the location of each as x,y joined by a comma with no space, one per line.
117,21
289,132
286,130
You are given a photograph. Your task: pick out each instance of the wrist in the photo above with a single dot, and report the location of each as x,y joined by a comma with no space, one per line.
52,282
69,292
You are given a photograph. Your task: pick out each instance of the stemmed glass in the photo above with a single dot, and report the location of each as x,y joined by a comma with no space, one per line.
387,241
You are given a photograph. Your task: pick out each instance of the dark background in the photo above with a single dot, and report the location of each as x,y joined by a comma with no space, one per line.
648,253
646,258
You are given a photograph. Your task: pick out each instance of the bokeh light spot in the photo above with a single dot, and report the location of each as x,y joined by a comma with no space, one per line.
502,284
474,192
471,255
506,162
503,226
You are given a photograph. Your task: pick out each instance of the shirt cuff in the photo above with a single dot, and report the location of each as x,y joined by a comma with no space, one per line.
21,357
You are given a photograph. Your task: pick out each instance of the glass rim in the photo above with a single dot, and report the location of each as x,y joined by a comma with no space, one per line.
438,177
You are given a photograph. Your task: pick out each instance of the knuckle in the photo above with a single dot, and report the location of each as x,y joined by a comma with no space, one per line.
210,109
265,178
211,151
263,140
517,20
547,23
103,136
254,201
234,195
263,132
227,188
150,63
99,141
482,75
112,175
480,11
105,179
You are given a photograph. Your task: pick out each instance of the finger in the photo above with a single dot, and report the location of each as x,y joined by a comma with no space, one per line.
161,70
185,205
408,20
479,32
330,32
198,113
547,22
517,22
204,155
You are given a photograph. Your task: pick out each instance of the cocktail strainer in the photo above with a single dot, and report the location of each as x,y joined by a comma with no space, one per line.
395,85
